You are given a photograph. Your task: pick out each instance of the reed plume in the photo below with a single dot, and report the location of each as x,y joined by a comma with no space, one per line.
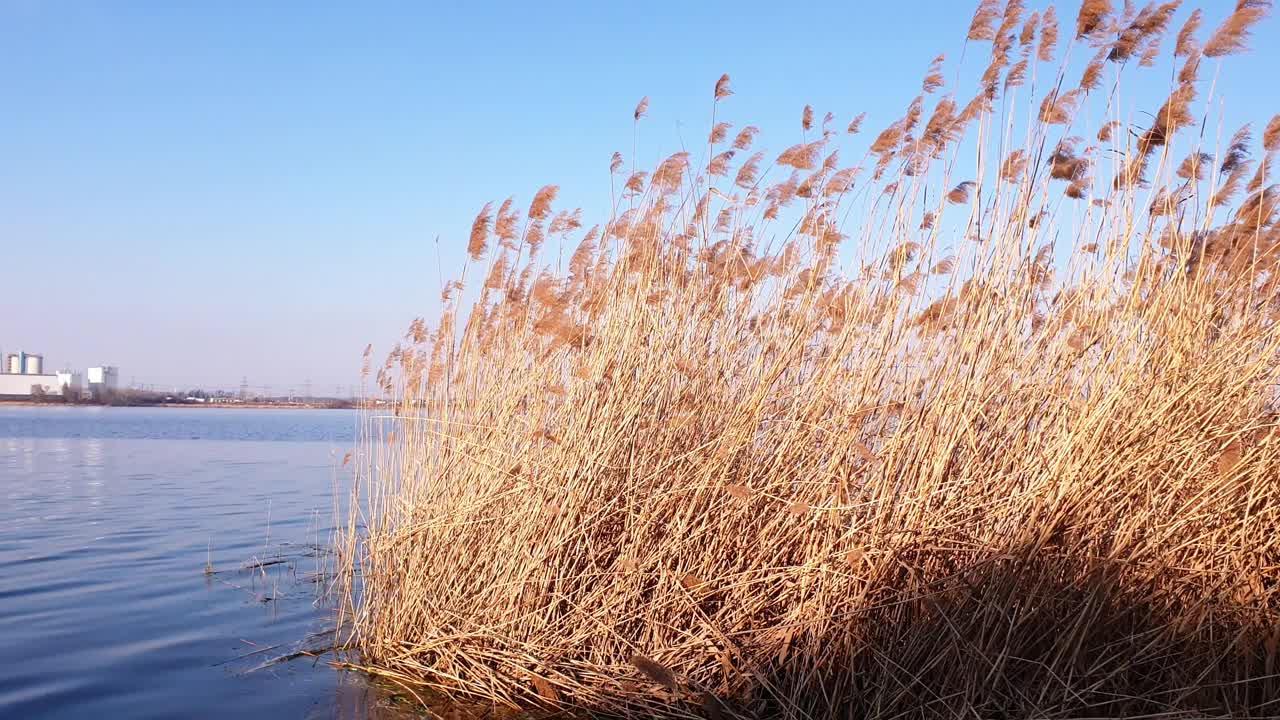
1091,78
933,79
803,156
719,164
961,193
1017,75
1271,135
505,225
1092,17
1233,34
479,243
635,183
1186,42
1029,27
1048,35
722,88
1193,167
540,208
749,172
981,27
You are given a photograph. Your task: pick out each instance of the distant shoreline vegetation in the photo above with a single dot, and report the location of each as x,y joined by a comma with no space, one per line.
147,398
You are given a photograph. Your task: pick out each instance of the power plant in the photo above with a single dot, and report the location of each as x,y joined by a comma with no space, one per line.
22,376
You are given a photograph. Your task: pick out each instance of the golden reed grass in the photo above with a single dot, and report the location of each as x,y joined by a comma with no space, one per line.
982,424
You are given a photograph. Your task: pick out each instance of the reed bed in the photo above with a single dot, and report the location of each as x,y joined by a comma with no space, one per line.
981,424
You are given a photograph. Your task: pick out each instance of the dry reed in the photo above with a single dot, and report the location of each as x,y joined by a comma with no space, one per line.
1001,445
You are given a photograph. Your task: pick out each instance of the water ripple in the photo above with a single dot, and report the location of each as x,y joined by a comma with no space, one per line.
106,523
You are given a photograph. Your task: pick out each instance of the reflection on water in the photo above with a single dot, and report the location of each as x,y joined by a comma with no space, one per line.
108,518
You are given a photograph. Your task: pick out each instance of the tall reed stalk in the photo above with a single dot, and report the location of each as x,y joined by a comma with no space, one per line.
982,425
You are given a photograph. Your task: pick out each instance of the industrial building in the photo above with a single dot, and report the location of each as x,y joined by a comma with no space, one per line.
105,378
22,376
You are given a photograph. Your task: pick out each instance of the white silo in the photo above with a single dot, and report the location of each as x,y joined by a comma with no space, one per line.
33,365
13,364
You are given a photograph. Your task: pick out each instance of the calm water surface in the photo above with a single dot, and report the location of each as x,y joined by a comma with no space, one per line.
108,517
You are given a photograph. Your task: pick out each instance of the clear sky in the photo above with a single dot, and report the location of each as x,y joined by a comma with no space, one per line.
200,192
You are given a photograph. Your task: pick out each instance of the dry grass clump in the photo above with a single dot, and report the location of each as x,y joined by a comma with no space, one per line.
914,437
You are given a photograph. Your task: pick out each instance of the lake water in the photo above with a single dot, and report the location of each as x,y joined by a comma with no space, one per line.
108,518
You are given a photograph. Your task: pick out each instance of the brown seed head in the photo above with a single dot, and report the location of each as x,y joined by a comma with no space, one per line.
745,137
1231,185
1091,78
670,173
566,222
1191,68
479,243
981,27
540,208
1058,109
933,79
1186,43
749,172
1271,135
450,288
505,227
1092,18
1048,35
841,182
1237,150
1017,75
722,88
803,156
1193,167
719,164
1255,186
1013,10
1233,35
581,260
497,273
961,193
546,290
1132,173
635,183
1174,115
1014,164
1028,34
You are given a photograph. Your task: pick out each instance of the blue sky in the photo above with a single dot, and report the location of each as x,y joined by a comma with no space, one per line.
199,192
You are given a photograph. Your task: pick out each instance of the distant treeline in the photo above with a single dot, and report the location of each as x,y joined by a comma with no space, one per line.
142,398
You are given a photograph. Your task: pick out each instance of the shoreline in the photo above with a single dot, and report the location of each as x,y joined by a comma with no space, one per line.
210,406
